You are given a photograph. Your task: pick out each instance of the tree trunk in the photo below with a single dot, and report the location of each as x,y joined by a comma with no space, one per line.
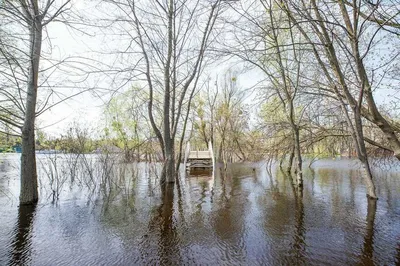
299,161
357,131
29,183
290,162
169,159
373,115
362,154
169,163
369,181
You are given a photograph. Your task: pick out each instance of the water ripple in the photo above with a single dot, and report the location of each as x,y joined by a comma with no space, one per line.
243,217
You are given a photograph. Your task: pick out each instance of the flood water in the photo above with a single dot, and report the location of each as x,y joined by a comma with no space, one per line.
244,216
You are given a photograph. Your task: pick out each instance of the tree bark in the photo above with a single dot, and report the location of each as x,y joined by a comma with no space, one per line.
290,162
29,183
362,154
299,161
169,163
169,160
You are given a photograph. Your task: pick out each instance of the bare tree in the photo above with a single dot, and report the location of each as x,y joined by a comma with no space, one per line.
267,42
343,38
171,40
340,51
23,79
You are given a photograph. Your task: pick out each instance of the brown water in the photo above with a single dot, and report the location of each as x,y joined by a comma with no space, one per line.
242,217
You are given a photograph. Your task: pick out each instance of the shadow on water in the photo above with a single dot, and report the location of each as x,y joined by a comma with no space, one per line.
21,245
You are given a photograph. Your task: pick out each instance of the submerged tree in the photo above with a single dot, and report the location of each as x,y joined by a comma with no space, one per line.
267,42
344,65
171,41
283,67
21,52
33,78
344,44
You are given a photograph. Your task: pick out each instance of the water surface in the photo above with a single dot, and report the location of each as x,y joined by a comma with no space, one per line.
244,216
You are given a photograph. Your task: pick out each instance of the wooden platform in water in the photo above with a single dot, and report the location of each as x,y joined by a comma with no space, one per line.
199,160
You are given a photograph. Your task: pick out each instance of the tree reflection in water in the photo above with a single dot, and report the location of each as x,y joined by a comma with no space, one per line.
398,254
242,217
167,250
162,232
298,246
367,256
21,245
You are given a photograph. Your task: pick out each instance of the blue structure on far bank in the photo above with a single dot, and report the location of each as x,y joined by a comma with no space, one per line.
17,148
